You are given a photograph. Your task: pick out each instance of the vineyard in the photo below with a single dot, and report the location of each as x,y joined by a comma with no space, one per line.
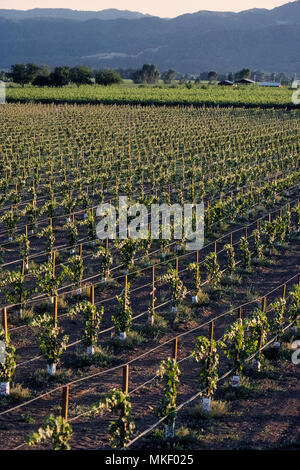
108,342
252,96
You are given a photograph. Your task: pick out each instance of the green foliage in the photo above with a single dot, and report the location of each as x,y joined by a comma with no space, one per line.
121,429
127,249
50,238
123,317
230,259
246,254
46,280
194,268
107,77
74,270
277,321
13,284
56,430
233,344
178,290
294,307
205,352
213,269
257,326
105,262
51,346
8,367
258,246
91,319
169,373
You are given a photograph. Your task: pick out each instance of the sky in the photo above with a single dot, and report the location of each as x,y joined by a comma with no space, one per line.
163,8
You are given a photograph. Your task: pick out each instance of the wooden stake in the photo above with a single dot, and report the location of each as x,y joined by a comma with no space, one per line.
215,247
197,258
65,402
176,267
153,287
92,294
55,310
4,322
125,378
23,267
80,250
264,304
230,239
283,291
175,349
53,263
211,337
240,312
211,333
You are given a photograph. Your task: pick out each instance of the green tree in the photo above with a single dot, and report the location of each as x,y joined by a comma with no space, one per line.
148,74
168,76
18,74
212,76
242,74
107,77
81,75
60,76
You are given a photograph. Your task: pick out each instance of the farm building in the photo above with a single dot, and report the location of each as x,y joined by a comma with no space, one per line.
270,84
226,83
245,81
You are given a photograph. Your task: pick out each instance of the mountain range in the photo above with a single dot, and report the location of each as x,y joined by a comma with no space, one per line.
267,40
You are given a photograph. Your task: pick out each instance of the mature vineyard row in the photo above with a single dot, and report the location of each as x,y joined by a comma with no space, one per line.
210,96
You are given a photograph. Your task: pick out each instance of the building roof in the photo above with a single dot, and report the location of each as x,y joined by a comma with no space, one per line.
226,82
245,81
273,84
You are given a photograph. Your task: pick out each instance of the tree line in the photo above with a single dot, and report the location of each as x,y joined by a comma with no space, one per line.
61,76
149,74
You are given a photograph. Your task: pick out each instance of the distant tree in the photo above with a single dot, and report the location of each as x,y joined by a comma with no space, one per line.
284,79
18,74
148,74
41,80
43,76
60,76
168,76
32,71
212,76
242,74
44,71
81,75
204,76
230,77
3,76
258,76
107,77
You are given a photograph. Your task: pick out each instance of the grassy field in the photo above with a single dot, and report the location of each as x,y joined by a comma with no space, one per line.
159,94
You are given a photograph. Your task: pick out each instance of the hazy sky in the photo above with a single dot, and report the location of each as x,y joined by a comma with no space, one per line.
164,8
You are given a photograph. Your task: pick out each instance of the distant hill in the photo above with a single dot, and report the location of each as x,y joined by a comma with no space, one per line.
260,39
67,14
